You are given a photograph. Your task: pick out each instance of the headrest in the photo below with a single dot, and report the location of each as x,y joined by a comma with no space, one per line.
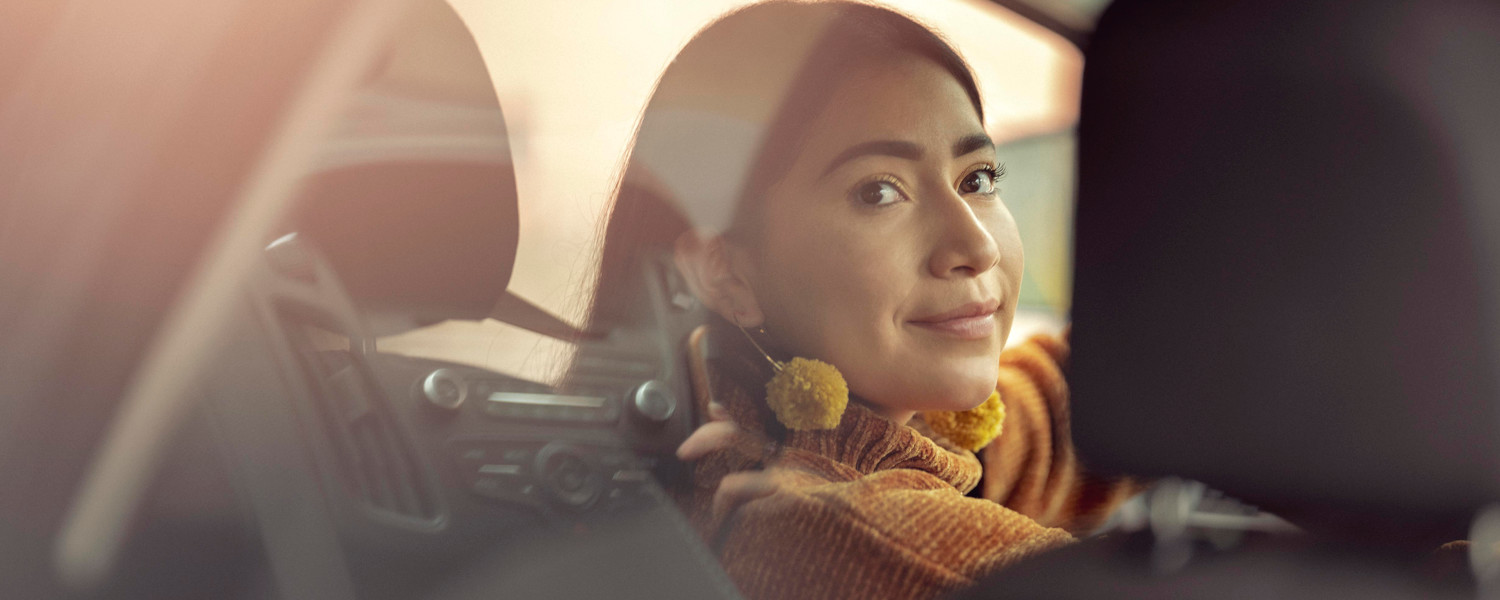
1286,256
413,200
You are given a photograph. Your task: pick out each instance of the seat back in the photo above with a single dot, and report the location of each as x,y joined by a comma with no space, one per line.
1287,260
413,200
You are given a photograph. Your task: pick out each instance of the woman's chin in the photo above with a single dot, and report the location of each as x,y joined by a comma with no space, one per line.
968,387
956,398
950,385
973,400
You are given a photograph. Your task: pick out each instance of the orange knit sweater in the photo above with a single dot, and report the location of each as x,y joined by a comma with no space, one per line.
874,509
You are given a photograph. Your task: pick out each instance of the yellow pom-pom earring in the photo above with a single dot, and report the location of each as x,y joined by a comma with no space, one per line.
805,393
973,428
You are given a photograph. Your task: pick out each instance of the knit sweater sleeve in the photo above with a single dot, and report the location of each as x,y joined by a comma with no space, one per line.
893,534
1032,467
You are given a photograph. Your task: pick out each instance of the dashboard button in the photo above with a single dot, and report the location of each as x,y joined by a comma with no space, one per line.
444,389
569,475
653,402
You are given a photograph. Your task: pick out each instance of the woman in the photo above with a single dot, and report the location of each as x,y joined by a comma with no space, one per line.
820,176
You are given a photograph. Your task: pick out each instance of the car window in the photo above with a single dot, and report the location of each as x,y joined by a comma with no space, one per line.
573,78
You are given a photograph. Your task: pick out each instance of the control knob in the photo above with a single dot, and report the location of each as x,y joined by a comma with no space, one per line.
568,475
444,389
653,402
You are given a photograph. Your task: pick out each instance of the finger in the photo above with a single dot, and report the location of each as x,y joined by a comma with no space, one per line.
738,488
709,437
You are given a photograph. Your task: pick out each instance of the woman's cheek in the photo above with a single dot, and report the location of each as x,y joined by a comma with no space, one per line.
1008,238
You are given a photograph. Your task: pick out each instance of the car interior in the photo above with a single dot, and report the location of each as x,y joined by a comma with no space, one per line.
1284,255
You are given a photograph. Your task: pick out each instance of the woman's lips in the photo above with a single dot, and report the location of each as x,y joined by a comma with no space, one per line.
973,321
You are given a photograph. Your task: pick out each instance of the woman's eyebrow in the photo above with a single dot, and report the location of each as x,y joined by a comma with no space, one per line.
971,143
903,149
896,148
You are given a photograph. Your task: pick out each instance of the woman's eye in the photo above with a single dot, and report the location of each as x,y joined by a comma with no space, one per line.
979,182
877,193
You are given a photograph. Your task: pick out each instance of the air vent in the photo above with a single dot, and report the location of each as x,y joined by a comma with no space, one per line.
375,462
605,367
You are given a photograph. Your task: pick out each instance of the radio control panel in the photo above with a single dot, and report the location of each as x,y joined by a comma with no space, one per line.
565,476
649,403
552,407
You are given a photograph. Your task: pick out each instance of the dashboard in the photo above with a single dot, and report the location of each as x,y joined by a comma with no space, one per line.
418,468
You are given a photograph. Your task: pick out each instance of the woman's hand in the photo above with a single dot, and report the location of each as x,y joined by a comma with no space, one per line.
734,489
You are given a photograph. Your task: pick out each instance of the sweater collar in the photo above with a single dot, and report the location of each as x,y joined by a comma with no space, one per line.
868,442
863,441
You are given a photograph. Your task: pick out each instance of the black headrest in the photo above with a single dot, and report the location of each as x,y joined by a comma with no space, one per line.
413,201
1287,250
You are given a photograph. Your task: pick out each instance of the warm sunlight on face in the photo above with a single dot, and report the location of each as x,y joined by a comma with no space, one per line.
886,249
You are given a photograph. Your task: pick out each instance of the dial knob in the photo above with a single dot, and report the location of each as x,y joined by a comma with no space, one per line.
444,389
654,402
569,475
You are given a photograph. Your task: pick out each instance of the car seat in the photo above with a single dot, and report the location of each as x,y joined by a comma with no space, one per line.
1286,289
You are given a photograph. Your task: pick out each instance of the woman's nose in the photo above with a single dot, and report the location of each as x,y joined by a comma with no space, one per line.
963,246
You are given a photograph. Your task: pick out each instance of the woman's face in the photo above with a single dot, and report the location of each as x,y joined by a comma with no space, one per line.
886,249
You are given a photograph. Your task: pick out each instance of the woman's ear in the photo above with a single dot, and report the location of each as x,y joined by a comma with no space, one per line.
703,260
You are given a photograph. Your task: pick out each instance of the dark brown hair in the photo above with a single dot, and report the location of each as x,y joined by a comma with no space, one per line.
641,223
